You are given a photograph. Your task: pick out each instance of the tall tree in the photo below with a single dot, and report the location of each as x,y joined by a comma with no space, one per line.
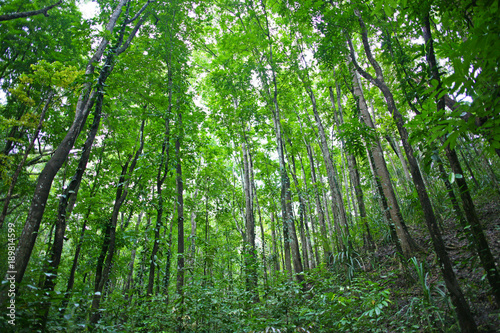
85,103
464,314
480,242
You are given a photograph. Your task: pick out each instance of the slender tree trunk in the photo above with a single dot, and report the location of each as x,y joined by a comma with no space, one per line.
339,214
262,234
336,241
481,244
109,243
71,279
290,236
467,165
163,170
307,232
465,318
354,172
276,255
72,190
192,236
130,268
139,278
408,245
319,209
254,195
180,210
13,181
166,278
301,208
315,233
44,183
249,246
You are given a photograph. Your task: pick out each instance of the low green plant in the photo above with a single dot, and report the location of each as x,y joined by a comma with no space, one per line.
426,312
347,261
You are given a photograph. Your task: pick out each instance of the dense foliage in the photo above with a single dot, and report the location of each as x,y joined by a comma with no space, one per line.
249,166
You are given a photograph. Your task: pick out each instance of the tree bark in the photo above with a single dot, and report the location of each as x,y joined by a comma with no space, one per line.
408,245
465,318
62,213
44,11
103,268
44,183
339,214
353,172
481,244
320,209
291,245
276,255
13,181
307,232
180,210
249,241
130,268
71,278
302,208
160,180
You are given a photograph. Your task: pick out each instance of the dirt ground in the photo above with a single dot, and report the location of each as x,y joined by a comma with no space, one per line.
467,265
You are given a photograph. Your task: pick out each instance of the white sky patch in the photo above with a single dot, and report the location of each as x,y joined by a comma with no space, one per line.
88,8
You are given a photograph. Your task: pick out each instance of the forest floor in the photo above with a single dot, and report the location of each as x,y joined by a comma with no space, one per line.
467,267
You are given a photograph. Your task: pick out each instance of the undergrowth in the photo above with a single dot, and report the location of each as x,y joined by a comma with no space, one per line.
329,301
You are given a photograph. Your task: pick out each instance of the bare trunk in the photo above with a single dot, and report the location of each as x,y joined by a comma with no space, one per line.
62,216
180,211
354,173
408,245
302,209
276,255
319,208
163,170
13,181
130,268
104,267
249,246
339,214
480,242
465,318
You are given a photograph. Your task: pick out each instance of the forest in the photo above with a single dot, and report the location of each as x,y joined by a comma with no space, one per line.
249,165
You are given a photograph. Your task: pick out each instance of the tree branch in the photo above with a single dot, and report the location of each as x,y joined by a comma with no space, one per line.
44,11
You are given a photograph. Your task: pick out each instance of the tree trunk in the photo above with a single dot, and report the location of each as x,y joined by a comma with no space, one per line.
180,210
103,268
71,191
307,232
302,208
130,268
290,236
353,172
25,156
249,241
276,255
481,244
44,183
262,235
339,214
465,318
408,245
71,278
319,208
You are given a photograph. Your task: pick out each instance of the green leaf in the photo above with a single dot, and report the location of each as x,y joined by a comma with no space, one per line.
451,178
